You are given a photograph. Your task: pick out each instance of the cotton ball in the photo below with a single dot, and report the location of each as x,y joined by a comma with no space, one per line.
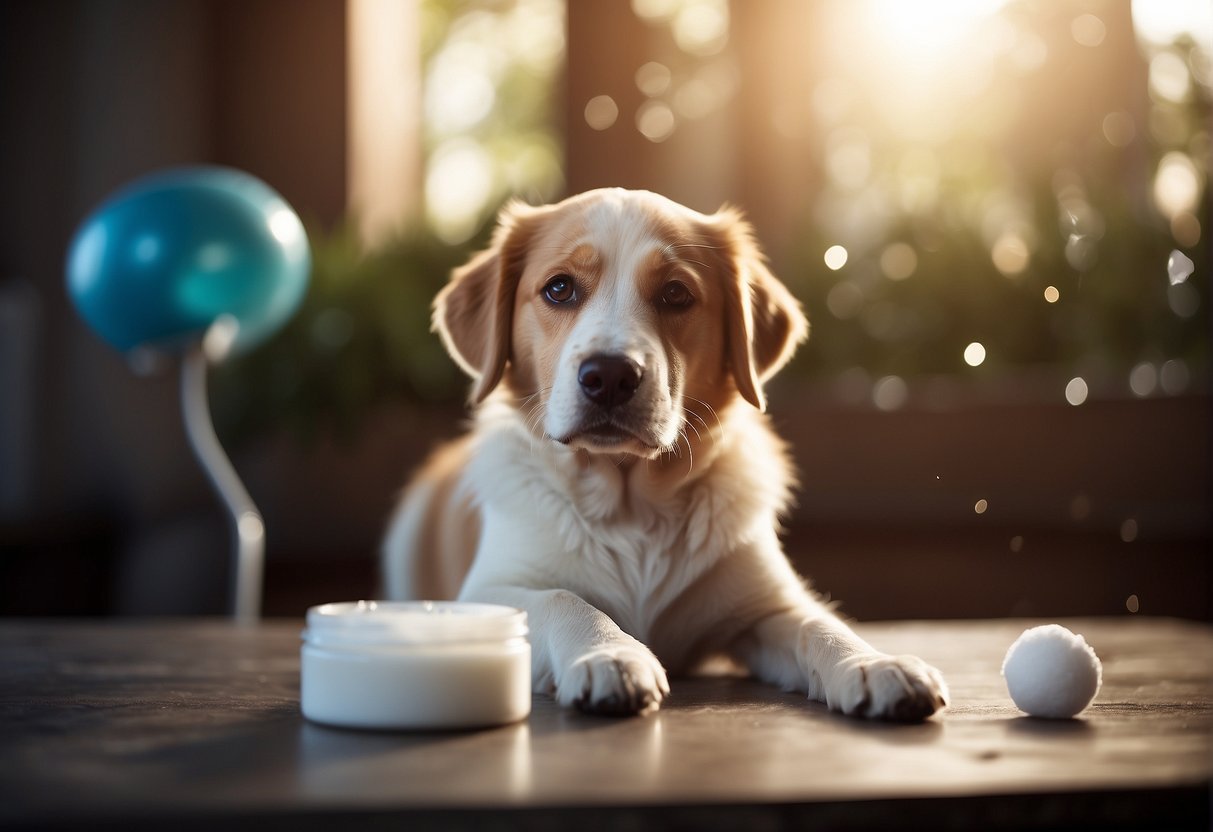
1051,672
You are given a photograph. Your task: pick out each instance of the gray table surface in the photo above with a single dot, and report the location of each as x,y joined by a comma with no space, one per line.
196,724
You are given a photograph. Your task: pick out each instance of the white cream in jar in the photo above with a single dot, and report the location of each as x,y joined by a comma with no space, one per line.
415,665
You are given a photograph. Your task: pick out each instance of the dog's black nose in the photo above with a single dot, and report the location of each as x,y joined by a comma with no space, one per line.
609,380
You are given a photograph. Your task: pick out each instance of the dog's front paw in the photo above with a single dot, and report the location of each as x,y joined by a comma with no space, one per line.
615,680
897,688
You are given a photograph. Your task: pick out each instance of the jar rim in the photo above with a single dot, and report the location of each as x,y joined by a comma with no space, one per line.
412,623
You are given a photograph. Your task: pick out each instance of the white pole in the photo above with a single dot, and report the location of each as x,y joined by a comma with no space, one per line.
246,519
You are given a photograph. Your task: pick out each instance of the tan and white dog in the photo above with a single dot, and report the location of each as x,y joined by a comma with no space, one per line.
621,483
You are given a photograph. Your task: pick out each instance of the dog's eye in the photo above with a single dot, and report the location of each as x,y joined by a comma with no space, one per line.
677,295
560,289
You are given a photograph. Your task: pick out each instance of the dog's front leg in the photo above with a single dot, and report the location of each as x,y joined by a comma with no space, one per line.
581,656
811,649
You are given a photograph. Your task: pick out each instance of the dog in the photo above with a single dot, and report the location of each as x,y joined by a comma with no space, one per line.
621,482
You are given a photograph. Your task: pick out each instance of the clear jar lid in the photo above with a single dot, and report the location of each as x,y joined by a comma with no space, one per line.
411,623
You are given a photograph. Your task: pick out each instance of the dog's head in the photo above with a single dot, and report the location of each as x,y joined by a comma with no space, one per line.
616,318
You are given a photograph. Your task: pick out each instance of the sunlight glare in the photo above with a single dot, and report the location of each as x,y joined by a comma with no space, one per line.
457,187
924,28
1162,21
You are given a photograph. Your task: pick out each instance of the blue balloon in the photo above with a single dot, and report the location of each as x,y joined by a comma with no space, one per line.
160,260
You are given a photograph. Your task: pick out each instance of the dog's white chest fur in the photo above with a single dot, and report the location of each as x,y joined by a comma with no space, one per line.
606,531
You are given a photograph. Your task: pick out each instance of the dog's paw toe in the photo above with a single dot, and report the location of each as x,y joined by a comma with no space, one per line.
895,688
614,681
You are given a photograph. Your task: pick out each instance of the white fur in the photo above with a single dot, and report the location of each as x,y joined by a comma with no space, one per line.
625,575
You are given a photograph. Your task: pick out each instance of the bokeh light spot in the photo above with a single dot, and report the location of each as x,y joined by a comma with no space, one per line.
601,111
656,121
1170,79
653,78
898,261
845,300
1132,603
1076,391
1143,378
975,354
1088,30
835,257
1128,530
1184,300
980,507
1051,294
1179,267
1174,376
1119,129
655,10
1081,252
1010,254
701,27
890,393
1176,184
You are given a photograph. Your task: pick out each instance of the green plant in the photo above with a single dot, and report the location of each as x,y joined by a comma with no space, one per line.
362,337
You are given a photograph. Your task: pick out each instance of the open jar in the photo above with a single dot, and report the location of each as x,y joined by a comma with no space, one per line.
415,665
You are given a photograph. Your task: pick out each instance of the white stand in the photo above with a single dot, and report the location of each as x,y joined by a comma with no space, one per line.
246,520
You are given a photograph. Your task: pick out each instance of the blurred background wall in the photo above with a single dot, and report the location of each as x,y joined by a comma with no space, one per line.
996,213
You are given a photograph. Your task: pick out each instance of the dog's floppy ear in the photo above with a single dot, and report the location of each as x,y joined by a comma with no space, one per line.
764,322
473,313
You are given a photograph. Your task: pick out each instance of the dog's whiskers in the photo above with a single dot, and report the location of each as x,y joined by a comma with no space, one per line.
690,454
692,245
711,411
534,415
672,449
700,419
718,432
690,425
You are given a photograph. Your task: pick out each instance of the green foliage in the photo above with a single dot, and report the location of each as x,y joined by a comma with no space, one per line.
1109,316
361,338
